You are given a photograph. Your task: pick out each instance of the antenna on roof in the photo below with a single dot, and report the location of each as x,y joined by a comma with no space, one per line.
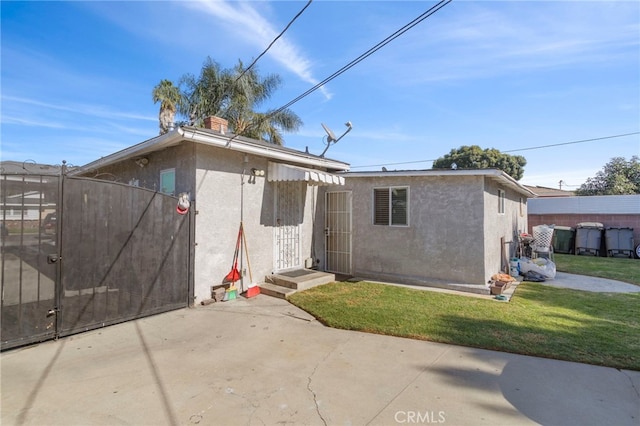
331,137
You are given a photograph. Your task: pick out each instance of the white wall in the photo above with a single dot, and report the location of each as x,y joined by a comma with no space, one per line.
601,204
497,226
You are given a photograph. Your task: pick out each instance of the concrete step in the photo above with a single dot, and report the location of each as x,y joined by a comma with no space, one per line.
282,285
301,279
274,290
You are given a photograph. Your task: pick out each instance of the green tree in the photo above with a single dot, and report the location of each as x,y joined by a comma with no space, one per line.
205,95
617,177
235,95
248,92
474,157
169,97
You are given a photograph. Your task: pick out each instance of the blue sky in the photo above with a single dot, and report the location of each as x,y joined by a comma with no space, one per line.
77,77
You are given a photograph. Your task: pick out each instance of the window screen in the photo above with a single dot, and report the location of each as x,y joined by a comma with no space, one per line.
381,206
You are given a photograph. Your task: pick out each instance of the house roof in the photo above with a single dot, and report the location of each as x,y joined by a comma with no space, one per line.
493,174
544,191
28,167
220,140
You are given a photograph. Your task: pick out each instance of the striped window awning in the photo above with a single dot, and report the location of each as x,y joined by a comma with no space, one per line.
279,172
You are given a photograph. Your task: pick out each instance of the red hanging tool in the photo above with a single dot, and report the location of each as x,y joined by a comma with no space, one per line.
234,275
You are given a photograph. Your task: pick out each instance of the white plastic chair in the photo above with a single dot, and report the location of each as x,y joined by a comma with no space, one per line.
542,244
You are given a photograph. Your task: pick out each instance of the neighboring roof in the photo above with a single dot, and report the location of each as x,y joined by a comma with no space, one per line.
27,167
213,138
493,174
595,204
544,192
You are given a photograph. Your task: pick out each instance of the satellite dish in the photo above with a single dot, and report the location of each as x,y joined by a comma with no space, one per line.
331,137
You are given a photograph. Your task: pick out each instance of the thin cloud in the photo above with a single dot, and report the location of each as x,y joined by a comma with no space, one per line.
260,33
82,109
480,42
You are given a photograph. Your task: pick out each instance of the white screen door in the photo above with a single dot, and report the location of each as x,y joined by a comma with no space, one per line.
338,232
289,215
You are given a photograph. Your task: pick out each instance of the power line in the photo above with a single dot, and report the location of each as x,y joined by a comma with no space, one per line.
274,40
511,150
369,52
359,59
571,143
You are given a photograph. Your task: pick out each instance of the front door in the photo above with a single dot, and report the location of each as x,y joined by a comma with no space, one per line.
338,232
289,209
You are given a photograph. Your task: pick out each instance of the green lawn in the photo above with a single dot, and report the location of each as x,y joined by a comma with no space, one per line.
615,268
594,328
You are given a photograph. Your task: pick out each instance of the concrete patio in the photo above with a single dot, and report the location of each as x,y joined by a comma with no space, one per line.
262,361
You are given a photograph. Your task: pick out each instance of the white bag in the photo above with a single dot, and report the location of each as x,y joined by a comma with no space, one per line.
541,265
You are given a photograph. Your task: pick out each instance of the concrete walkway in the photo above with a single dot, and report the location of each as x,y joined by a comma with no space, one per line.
594,284
261,361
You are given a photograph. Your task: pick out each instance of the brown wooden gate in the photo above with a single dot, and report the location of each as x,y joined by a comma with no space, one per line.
104,253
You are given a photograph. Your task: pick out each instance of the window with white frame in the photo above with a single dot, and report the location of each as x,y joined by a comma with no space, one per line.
391,206
501,197
168,181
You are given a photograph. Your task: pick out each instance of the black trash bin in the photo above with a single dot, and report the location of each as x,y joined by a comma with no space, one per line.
619,242
589,238
564,239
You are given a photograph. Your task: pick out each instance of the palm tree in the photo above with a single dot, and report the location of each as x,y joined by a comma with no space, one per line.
170,98
206,95
235,95
248,92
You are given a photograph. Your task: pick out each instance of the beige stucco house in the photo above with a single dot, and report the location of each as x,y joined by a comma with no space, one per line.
432,227
450,228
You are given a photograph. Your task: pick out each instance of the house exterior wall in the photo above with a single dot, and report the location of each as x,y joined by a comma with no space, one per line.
444,239
180,157
213,178
502,227
220,194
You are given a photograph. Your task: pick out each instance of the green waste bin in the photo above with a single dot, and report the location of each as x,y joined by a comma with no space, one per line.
564,239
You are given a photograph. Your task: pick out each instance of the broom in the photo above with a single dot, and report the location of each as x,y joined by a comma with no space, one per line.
234,275
253,289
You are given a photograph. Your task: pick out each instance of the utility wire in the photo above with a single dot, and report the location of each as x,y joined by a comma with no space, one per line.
511,150
274,40
359,59
368,53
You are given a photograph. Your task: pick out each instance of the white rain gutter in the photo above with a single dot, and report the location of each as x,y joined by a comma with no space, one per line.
221,141
275,152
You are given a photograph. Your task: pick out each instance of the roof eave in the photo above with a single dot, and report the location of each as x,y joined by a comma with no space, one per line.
490,173
243,145
273,152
